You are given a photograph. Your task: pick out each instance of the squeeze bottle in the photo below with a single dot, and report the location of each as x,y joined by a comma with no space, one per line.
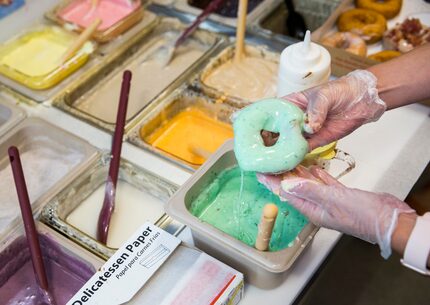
303,65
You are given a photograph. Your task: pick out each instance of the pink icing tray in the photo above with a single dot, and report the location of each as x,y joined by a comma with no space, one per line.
117,16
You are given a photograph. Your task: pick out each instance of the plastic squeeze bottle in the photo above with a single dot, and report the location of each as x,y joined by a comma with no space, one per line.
303,65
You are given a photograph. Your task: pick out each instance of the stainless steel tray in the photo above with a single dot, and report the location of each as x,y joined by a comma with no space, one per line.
314,13
96,100
168,10
34,137
261,8
273,21
165,109
98,63
61,206
121,27
65,243
263,269
267,41
253,50
57,251
10,114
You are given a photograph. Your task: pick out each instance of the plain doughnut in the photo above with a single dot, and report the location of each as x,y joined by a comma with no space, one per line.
388,8
274,115
350,42
368,24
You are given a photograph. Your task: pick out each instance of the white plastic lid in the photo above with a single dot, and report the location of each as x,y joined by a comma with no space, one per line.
303,65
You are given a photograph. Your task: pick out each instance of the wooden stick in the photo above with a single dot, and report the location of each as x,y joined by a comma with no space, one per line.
84,37
241,29
265,228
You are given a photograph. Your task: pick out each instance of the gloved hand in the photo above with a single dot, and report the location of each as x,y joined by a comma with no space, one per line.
337,108
328,203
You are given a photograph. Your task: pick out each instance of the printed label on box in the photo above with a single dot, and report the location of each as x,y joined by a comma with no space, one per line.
128,269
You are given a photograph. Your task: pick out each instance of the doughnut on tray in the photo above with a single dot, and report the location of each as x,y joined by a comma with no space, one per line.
344,62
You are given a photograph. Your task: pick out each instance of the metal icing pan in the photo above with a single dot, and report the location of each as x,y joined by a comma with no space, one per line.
140,197
96,100
76,264
315,13
157,114
260,44
99,60
109,33
64,243
252,50
260,8
263,269
50,156
10,114
168,10
273,21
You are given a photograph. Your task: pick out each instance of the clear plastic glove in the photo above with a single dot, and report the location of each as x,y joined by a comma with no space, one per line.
328,203
337,108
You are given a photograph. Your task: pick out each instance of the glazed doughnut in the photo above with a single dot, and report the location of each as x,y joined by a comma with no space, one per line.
350,42
368,24
385,55
274,115
388,8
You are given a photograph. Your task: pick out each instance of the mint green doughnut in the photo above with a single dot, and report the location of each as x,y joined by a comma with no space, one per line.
273,115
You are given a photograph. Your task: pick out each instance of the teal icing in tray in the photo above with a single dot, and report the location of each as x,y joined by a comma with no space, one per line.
222,205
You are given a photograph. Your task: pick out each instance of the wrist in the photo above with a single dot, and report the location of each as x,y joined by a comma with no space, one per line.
402,232
369,97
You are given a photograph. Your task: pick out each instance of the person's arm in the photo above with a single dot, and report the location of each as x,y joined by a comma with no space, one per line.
374,217
404,80
400,237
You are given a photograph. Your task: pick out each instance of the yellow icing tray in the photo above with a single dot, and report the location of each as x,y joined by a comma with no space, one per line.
34,58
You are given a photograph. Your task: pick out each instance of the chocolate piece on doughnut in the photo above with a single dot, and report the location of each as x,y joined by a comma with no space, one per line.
388,8
274,115
350,42
368,24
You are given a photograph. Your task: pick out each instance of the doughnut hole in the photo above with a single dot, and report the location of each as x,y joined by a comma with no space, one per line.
269,138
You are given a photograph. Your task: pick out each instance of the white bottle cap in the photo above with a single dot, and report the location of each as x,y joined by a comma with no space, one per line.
303,65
